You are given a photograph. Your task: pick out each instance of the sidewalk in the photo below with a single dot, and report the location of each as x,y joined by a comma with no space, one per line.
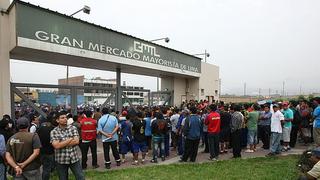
173,158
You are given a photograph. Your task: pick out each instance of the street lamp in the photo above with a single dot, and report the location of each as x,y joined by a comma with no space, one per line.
166,39
86,10
205,54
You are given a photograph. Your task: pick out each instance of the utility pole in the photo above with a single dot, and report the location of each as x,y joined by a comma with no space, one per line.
283,89
244,89
220,87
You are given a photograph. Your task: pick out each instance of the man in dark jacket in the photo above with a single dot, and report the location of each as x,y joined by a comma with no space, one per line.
47,150
139,143
159,129
192,128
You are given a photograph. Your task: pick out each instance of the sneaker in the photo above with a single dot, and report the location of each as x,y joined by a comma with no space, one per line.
107,166
142,161
249,151
284,150
123,161
163,158
182,161
154,161
270,154
289,148
135,163
213,159
95,166
118,163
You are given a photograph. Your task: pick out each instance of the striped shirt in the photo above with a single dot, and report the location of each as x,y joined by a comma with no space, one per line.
237,120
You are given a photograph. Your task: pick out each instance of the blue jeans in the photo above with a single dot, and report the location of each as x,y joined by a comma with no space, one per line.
166,144
3,174
275,146
75,168
244,137
47,165
252,137
29,175
180,145
158,142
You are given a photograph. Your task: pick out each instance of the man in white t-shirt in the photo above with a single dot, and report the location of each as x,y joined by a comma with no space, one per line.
174,121
276,129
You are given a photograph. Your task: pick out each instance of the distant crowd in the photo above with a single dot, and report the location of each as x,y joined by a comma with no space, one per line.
31,140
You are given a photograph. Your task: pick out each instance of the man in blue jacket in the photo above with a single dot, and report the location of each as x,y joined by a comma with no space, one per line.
192,128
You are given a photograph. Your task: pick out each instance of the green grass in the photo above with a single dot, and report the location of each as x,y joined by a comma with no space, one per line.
245,169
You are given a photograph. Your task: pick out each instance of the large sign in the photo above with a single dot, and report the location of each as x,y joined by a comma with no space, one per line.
38,28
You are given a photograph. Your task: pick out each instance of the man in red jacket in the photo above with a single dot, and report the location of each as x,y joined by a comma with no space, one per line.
213,123
88,139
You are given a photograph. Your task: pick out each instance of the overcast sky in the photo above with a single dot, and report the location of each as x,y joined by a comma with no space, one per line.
262,43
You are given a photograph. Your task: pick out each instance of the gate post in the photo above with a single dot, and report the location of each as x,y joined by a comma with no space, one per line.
118,91
5,98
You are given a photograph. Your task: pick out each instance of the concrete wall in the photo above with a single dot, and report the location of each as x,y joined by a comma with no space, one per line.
209,81
190,88
179,90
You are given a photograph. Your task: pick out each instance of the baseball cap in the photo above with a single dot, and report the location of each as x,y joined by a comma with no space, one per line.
316,152
285,103
275,105
23,123
124,113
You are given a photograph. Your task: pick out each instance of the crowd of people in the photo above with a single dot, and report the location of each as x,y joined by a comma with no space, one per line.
31,141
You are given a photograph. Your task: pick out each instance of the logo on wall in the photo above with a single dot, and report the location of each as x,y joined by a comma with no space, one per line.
143,48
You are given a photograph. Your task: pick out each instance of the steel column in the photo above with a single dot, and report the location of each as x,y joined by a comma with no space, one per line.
119,91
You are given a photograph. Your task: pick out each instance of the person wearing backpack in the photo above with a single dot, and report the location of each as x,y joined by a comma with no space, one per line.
159,129
139,143
192,129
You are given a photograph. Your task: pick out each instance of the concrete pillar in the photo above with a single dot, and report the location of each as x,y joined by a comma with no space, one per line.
119,91
4,60
184,89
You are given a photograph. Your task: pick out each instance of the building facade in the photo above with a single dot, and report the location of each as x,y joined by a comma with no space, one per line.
99,96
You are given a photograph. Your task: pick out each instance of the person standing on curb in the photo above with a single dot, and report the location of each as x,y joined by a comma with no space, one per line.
23,150
276,129
213,122
237,120
108,127
64,139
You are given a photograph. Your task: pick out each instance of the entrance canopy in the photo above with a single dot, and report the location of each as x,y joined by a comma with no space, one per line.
46,36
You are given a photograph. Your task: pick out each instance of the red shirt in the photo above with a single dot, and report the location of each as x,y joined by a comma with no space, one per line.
213,122
88,129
